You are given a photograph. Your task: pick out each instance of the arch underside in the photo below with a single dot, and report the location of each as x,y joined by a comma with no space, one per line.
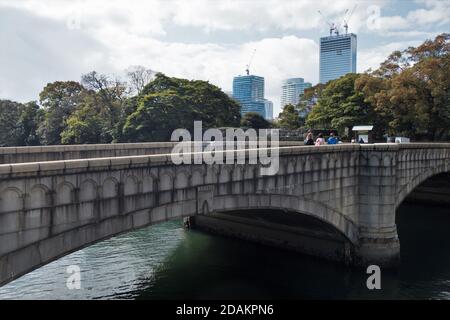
418,180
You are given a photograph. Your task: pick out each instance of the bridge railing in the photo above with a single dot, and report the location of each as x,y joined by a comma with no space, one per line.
90,151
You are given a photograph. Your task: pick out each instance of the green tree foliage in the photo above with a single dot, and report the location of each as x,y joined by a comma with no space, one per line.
254,120
19,123
415,97
289,118
59,100
86,124
110,94
340,106
11,129
166,104
30,118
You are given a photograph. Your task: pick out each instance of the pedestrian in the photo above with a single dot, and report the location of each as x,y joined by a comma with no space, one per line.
309,140
332,139
320,140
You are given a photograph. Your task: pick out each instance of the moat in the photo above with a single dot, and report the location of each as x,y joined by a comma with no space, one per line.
166,261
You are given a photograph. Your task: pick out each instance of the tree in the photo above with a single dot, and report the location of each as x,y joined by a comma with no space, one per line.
340,106
83,127
58,99
254,120
414,92
30,118
138,78
289,118
166,104
11,129
110,94
86,124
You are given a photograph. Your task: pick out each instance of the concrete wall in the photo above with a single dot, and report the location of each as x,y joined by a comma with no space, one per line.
49,209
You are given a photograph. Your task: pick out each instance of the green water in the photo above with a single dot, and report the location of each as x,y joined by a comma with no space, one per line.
167,262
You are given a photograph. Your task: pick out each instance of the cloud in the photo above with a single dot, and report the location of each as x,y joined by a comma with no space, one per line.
53,51
372,57
275,59
36,51
438,12
148,17
61,39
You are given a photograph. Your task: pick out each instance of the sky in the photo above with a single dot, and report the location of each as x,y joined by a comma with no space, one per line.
42,41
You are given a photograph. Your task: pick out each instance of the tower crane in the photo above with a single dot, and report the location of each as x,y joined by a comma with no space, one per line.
346,20
247,70
332,25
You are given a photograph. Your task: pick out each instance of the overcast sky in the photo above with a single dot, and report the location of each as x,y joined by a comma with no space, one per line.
47,40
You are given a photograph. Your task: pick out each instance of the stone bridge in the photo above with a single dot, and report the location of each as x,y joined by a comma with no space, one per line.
51,208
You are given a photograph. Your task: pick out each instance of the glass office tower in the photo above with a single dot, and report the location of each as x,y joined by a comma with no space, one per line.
291,90
249,92
337,56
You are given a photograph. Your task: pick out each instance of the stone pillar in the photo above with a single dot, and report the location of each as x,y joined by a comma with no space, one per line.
378,238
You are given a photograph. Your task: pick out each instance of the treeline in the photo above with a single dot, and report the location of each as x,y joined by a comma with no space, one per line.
407,96
103,109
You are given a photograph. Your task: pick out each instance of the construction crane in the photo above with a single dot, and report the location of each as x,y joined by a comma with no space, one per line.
338,26
346,20
247,70
332,25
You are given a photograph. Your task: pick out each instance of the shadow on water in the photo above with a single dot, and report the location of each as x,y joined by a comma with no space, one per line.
212,267
167,262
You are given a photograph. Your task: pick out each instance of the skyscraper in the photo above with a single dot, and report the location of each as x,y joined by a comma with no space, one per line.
337,56
291,90
249,92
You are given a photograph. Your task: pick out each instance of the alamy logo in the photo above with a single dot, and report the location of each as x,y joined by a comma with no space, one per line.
374,280
238,146
74,280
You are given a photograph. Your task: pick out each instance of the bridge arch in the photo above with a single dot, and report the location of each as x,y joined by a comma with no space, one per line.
418,179
11,199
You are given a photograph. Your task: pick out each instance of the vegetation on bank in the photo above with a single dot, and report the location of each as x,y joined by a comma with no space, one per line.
407,95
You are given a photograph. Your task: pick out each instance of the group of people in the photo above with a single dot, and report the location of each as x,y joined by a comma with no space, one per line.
320,140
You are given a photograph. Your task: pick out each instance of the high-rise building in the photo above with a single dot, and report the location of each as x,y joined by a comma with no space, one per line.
291,90
337,56
268,108
249,92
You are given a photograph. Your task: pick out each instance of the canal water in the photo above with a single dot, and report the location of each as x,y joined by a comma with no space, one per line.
167,262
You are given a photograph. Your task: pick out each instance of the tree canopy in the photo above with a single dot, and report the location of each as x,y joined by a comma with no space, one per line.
168,103
289,118
255,121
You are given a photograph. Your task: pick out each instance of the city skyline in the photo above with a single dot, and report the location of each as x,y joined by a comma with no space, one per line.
61,40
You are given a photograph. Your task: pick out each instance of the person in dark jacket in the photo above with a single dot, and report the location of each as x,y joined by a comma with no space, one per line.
309,140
